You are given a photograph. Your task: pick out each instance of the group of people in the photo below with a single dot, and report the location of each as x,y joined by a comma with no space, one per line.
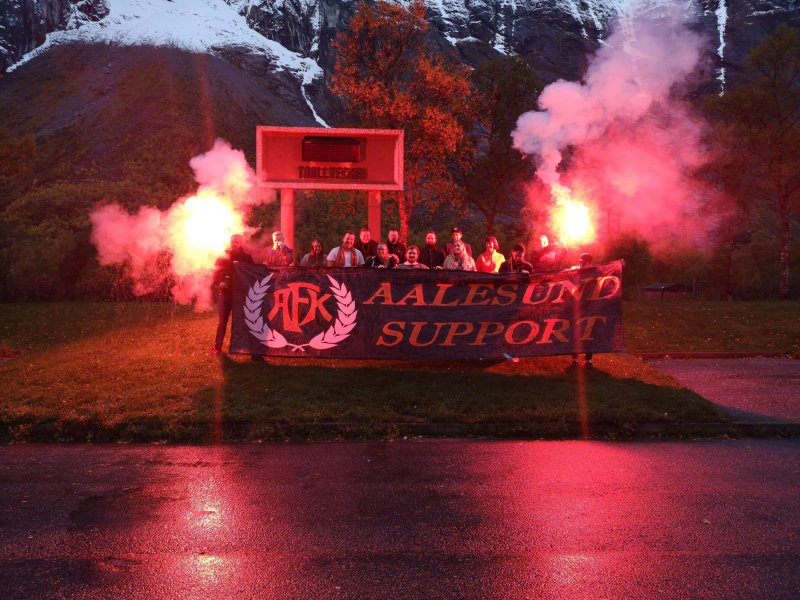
367,253
393,254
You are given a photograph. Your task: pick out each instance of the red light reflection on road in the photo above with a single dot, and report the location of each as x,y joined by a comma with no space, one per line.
214,511
560,533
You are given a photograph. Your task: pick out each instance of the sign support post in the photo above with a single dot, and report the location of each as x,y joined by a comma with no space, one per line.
287,216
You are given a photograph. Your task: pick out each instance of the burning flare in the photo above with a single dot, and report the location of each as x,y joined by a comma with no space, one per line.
199,230
194,231
571,217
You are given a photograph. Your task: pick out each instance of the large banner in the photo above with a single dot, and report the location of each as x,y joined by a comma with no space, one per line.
398,313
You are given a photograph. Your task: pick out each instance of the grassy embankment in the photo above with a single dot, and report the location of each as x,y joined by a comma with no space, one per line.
139,372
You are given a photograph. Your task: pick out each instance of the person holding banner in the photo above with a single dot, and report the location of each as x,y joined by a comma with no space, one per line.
316,257
412,254
490,261
346,255
517,262
584,261
459,260
383,260
223,281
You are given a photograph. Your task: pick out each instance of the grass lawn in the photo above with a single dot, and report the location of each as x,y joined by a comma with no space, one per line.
139,371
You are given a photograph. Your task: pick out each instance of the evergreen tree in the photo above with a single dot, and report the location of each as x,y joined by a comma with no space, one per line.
508,88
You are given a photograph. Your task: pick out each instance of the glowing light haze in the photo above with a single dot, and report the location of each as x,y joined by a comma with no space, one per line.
195,230
633,141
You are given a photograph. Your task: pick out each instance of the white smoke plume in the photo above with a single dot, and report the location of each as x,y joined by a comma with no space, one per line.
194,231
632,143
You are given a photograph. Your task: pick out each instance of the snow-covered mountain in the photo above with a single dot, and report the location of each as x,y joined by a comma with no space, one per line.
294,36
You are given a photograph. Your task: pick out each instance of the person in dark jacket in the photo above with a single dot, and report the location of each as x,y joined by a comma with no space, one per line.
223,281
395,246
517,262
365,244
431,256
382,260
584,262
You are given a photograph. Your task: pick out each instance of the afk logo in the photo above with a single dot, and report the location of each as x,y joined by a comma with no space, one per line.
288,302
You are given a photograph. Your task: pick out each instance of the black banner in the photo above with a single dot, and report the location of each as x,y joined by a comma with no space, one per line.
396,314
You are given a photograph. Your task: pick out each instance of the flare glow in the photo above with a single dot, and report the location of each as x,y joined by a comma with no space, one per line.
571,217
200,230
194,231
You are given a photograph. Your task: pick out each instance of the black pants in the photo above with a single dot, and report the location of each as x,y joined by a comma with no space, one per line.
225,304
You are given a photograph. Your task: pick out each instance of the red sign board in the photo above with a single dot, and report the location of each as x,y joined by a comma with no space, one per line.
314,158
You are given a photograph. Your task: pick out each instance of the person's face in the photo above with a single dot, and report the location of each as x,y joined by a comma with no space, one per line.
458,248
236,242
456,236
490,246
365,236
383,252
412,255
277,240
583,262
516,255
348,240
430,239
316,248
393,235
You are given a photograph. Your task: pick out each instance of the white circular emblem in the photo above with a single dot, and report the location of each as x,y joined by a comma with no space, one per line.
344,323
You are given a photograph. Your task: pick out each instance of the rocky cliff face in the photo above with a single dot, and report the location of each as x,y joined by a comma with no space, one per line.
24,24
556,35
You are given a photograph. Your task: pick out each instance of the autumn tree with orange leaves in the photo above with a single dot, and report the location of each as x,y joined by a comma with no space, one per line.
389,78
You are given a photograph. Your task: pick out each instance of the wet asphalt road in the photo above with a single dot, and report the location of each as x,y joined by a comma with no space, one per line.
750,388
414,519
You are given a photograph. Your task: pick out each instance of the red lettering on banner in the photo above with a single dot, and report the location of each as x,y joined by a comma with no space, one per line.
616,287
574,290
416,329
554,327
389,330
439,298
384,292
476,292
289,299
467,328
536,294
589,329
509,336
509,292
416,295
486,330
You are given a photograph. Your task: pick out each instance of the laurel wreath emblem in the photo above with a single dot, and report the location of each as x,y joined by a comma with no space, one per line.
344,323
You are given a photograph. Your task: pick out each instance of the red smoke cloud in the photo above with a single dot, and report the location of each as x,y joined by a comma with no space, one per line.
195,230
633,143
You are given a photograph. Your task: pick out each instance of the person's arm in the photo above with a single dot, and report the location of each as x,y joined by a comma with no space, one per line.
359,258
331,260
